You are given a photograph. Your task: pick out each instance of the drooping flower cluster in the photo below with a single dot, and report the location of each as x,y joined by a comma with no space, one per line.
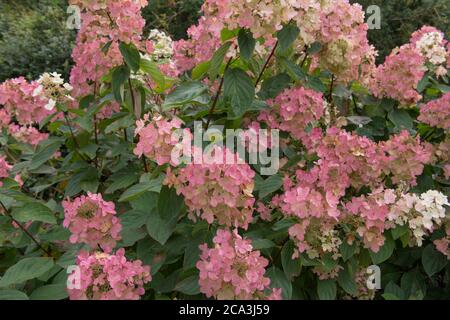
93,221
104,24
436,113
54,89
233,270
103,276
4,169
22,101
431,43
217,187
158,138
399,76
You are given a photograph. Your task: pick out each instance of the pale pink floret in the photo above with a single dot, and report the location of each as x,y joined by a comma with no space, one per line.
233,270
108,277
93,221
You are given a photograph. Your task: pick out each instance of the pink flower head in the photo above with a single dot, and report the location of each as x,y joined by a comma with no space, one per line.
233,270
19,98
436,113
108,277
215,189
406,157
399,76
158,138
93,221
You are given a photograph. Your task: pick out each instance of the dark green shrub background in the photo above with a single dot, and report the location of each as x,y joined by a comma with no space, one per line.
34,39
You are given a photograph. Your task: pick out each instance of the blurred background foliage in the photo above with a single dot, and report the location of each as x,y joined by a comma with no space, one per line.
34,38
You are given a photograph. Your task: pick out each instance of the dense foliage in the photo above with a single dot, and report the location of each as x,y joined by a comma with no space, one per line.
341,167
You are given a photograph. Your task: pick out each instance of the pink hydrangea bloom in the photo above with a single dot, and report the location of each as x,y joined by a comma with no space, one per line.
158,138
108,277
298,108
233,270
93,221
406,157
103,22
436,113
216,190
4,169
399,76
20,99
27,134
369,214
346,51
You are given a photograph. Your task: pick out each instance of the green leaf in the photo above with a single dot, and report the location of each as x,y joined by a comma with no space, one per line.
169,202
135,191
294,70
346,280
246,43
432,260
133,219
279,280
151,68
385,251
26,269
270,185
238,87
401,119
188,286
45,152
121,180
131,55
399,231
393,292
34,212
160,229
273,86
12,295
259,244
347,251
187,92
287,36
50,292
314,48
120,75
315,83
200,70
291,267
217,60
326,289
